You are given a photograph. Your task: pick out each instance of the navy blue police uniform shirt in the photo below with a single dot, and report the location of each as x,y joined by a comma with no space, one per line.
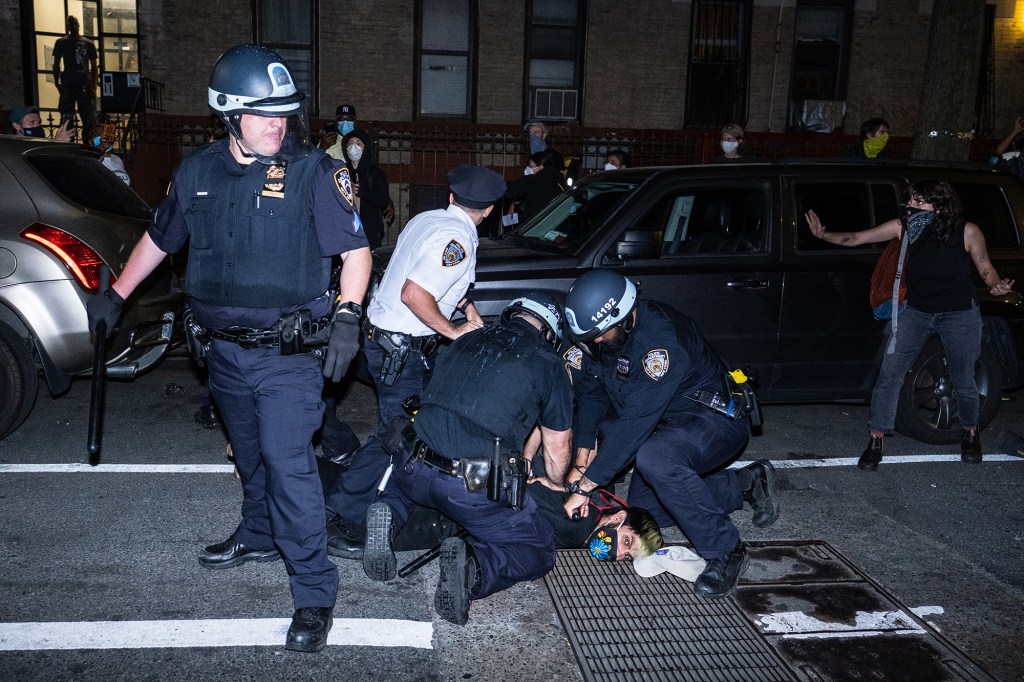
337,225
551,392
665,360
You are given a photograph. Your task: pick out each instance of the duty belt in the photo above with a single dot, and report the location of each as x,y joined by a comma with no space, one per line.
420,344
247,337
423,453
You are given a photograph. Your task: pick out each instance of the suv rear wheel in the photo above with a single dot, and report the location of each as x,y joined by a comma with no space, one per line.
18,371
926,410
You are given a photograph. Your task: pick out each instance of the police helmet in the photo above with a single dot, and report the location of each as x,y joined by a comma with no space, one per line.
254,80
597,301
541,306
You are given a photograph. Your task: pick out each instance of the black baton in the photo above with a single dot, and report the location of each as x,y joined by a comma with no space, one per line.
99,376
428,556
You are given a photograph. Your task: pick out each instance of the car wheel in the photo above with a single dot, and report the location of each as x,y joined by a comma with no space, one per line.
18,372
927,408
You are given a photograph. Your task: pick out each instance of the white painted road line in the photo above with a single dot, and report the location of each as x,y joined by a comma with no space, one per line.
157,634
799,625
81,468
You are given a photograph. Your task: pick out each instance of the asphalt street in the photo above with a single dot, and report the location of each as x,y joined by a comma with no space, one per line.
105,559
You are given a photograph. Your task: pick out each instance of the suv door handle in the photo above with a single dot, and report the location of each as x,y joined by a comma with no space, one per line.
748,284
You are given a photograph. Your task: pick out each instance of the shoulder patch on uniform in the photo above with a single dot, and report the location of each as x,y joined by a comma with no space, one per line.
656,363
343,182
453,254
573,357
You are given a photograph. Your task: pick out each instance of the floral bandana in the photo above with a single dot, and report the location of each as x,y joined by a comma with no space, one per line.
604,543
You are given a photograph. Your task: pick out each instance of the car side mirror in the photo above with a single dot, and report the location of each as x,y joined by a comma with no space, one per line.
638,243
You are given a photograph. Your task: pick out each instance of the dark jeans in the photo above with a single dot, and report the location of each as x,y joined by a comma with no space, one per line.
270,405
960,332
356,488
510,546
81,93
678,477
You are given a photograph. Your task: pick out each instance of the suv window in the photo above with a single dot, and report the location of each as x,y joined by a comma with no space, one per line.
985,205
842,207
568,221
85,181
715,220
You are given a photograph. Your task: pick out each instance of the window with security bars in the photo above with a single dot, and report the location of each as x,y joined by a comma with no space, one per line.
445,44
716,88
287,27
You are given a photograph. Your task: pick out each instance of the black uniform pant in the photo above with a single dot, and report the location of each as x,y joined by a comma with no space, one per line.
679,478
270,405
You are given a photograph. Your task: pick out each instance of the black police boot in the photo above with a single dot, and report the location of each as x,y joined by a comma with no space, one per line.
207,417
458,578
231,553
872,454
721,575
379,561
344,538
762,493
309,628
970,446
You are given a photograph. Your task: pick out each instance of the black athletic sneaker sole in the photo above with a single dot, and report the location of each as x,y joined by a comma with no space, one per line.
451,600
379,562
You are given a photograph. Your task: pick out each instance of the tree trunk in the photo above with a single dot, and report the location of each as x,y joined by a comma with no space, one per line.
949,91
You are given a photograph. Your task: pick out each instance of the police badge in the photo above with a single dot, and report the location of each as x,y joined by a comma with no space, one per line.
274,186
656,363
453,254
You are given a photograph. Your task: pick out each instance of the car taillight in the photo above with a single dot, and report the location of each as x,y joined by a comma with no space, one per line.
82,261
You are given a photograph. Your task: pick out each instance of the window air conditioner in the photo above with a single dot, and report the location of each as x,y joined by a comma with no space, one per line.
554,104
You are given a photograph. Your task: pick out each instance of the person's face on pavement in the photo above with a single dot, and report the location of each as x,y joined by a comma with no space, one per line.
628,541
263,135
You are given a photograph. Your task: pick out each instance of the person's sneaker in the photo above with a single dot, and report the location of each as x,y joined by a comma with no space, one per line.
379,562
455,585
721,574
309,629
970,446
872,454
763,494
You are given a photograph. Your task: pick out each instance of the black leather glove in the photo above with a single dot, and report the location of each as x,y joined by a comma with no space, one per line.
106,307
342,346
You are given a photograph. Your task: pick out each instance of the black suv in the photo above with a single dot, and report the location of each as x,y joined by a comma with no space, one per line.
729,246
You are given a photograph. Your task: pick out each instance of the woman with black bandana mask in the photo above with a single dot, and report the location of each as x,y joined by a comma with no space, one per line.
940,299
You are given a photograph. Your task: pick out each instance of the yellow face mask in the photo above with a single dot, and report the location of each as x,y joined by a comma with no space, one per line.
873,145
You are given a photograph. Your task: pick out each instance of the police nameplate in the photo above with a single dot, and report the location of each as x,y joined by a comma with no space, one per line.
343,181
656,363
453,254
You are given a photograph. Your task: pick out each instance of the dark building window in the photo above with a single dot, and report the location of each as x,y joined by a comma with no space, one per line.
287,27
445,47
985,108
554,59
820,64
716,92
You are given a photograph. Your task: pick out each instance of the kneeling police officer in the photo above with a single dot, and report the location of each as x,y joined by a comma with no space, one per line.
463,457
263,215
649,367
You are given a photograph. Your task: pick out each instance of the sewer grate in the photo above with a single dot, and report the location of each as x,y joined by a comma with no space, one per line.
801,612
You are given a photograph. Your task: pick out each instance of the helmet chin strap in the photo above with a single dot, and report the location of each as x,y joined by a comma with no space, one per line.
231,123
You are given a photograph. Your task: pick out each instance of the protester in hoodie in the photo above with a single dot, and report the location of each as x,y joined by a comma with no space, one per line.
369,185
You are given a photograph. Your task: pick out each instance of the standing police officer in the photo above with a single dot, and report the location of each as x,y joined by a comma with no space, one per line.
465,460
652,365
263,216
431,269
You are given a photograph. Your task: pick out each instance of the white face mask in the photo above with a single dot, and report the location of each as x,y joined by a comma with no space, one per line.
729,147
610,166
528,171
355,152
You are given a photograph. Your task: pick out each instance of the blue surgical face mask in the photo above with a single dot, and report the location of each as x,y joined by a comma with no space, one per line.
97,141
346,127
537,143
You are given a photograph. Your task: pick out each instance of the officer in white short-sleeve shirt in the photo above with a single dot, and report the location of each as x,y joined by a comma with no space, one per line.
430,271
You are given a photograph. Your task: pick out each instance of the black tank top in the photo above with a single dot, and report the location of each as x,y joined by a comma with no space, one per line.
939,274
